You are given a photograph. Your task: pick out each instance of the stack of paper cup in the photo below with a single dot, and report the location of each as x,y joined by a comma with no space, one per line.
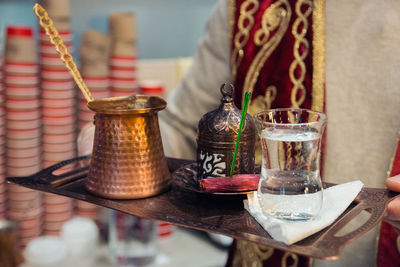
94,55
123,54
23,129
165,230
58,90
2,146
57,210
58,93
152,87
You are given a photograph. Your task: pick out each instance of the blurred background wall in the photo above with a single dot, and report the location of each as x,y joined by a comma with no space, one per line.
165,28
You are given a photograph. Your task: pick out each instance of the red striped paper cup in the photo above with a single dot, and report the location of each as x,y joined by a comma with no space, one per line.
23,171
165,229
23,124
20,31
62,207
18,215
58,103
58,120
55,74
21,92
55,148
46,48
23,162
58,138
21,68
96,82
19,204
14,135
122,84
58,129
116,72
24,152
49,198
58,156
12,143
65,35
19,115
151,87
22,104
57,216
58,84
21,80
58,111
121,62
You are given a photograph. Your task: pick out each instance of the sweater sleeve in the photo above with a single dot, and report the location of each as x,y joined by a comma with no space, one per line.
198,92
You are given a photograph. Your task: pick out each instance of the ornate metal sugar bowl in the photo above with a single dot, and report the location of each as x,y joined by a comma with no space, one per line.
128,158
216,139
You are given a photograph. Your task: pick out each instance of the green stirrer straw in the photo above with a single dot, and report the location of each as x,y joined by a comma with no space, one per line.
242,117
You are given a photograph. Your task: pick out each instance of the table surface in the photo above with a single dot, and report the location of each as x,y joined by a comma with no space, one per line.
222,214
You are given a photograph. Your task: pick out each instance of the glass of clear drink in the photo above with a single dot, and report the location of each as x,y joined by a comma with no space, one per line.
132,240
290,187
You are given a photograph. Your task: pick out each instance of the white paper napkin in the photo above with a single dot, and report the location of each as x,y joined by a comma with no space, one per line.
335,201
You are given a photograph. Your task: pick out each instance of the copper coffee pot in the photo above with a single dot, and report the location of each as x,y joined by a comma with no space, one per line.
128,158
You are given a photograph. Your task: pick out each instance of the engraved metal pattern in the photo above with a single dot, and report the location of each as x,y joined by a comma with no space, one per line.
128,158
217,133
212,164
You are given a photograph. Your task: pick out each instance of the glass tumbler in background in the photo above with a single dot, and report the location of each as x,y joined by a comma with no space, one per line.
132,240
290,187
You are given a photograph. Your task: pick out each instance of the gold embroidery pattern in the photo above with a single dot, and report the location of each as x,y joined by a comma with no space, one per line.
249,254
300,52
285,258
270,21
318,42
281,16
258,104
246,21
263,102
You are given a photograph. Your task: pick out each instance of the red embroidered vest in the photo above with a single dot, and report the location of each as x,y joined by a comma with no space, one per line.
278,54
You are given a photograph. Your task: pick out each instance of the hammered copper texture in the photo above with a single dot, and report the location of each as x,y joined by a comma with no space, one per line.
128,158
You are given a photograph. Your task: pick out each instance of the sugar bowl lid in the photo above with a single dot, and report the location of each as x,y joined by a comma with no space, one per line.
219,128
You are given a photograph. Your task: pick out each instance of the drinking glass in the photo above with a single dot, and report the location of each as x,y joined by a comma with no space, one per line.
132,240
290,186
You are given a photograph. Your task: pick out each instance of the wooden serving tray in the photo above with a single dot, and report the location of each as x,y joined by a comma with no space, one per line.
222,214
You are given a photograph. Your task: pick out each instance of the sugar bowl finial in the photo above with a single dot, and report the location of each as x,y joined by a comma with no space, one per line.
227,93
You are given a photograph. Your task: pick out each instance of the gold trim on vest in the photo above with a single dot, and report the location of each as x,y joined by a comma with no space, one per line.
318,43
297,69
